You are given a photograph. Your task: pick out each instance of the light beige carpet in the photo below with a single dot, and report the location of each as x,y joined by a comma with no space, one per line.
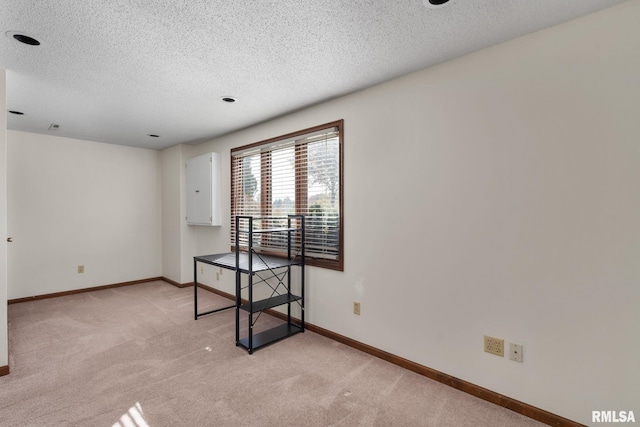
134,356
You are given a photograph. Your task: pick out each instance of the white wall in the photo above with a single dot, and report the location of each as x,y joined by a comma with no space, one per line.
4,349
177,236
170,160
181,242
73,202
495,194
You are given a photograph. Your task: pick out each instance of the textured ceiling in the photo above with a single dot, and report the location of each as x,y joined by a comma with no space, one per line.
116,71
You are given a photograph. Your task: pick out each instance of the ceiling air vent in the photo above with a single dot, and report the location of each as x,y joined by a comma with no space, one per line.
54,126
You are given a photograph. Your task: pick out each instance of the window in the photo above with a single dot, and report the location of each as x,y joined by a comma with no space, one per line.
299,173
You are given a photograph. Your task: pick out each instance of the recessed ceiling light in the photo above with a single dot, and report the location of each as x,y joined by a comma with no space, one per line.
229,99
434,3
152,135
17,113
23,38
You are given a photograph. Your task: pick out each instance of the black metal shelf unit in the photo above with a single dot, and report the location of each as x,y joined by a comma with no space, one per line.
252,263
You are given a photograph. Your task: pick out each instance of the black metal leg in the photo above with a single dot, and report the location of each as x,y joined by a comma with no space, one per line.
195,295
289,288
195,289
238,302
250,341
302,245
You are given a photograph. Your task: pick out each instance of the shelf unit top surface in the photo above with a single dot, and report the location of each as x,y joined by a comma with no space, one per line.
260,262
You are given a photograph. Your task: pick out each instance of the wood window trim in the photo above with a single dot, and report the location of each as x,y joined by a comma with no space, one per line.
301,199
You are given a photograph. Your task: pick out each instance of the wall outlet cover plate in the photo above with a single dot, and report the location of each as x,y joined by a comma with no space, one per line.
494,345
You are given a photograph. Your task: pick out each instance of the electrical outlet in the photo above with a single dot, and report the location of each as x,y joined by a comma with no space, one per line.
80,269
356,308
515,352
494,345
201,269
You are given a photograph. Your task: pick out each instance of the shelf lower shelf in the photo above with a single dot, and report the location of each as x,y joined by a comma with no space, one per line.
268,303
270,336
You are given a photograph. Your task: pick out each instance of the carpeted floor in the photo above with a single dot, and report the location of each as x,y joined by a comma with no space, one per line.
134,356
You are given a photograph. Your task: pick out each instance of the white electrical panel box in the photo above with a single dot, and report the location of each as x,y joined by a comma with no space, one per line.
203,190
